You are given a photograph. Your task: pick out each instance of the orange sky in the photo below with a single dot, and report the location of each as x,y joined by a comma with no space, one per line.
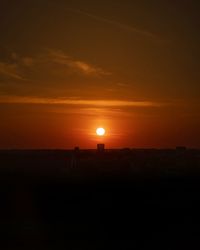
63,126
130,66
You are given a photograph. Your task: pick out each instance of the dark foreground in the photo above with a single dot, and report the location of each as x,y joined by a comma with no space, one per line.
117,200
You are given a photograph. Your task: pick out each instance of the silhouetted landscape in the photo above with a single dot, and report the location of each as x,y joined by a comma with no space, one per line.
85,199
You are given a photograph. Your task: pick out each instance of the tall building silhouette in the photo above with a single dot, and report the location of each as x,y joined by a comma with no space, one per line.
100,148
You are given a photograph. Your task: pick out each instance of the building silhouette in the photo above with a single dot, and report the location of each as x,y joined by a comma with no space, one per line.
100,148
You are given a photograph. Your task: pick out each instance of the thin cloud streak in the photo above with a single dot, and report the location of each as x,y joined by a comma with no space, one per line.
78,102
117,24
10,70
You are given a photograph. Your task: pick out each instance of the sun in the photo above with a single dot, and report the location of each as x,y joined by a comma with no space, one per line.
100,131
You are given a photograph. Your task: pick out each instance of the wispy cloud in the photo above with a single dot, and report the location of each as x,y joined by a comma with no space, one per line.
120,25
10,70
78,66
47,63
78,102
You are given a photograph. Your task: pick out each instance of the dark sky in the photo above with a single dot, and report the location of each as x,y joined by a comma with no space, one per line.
67,67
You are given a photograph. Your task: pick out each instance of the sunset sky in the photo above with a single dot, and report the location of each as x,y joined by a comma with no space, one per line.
68,67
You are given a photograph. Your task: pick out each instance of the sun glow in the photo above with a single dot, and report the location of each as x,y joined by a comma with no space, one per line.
100,131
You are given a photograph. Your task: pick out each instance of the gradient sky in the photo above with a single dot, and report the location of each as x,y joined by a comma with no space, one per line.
131,66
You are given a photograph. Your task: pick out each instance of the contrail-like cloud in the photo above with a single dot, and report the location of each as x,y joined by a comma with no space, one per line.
78,102
125,27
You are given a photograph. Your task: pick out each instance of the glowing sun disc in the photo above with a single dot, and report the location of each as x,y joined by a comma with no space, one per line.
100,131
